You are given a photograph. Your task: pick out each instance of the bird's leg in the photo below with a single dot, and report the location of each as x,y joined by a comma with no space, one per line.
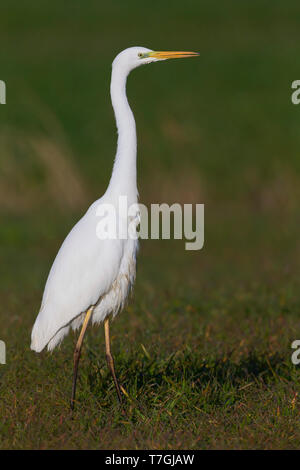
78,351
109,358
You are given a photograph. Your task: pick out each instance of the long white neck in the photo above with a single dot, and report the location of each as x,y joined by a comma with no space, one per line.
123,178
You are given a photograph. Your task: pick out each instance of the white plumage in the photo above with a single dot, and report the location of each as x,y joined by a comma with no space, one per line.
87,270
96,272
91,277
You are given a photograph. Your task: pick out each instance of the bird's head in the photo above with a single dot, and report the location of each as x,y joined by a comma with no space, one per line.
133,57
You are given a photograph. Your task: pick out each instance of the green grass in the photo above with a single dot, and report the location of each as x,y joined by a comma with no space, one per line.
203,349
204,356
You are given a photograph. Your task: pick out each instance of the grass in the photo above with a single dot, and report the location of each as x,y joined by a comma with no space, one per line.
204,358
203,351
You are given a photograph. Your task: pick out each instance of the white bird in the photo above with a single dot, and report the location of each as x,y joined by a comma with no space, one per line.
91,276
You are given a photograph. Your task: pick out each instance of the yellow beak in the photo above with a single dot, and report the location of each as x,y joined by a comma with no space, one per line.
172,54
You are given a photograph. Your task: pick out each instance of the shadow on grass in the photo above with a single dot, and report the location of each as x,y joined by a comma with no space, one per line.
222,376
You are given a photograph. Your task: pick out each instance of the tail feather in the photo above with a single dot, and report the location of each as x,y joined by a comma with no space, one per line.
58,337
43,335
38,337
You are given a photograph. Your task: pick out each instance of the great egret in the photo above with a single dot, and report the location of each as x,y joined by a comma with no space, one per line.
90,278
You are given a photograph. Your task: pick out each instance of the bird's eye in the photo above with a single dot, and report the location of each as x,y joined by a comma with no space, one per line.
140,54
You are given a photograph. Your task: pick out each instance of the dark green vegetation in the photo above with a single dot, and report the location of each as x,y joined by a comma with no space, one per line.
203,352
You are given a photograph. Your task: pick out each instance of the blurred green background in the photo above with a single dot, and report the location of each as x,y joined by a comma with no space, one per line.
219,130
